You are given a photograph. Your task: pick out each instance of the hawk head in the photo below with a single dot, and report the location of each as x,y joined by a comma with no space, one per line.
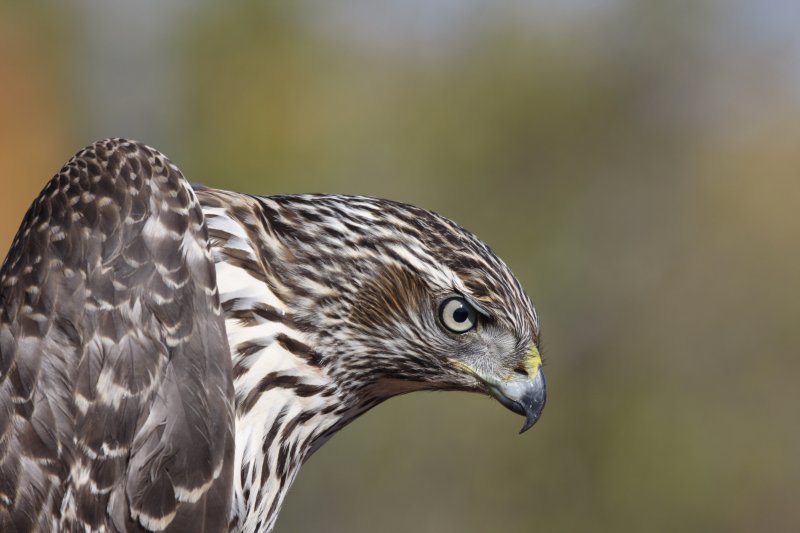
396,298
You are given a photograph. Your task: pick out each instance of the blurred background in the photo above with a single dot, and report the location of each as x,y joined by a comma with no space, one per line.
636,163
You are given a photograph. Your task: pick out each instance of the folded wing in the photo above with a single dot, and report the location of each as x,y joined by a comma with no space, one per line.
116,401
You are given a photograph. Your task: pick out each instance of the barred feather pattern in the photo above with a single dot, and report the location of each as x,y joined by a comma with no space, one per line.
328,302
145,324
116,401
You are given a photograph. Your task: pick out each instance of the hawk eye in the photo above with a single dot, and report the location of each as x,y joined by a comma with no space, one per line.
457,315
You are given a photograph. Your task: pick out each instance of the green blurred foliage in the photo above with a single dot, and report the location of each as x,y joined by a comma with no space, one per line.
636,167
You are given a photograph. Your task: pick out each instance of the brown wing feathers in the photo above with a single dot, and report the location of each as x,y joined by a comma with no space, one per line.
116,402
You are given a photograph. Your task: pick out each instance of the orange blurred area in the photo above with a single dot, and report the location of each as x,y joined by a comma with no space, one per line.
33,136
635,163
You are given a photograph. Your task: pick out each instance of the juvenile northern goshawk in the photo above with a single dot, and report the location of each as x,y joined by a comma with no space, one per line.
170,356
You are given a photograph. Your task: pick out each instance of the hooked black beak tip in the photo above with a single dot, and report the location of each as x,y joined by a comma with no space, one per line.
524,397
534,400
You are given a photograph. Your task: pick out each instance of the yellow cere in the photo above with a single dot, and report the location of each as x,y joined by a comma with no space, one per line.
534,361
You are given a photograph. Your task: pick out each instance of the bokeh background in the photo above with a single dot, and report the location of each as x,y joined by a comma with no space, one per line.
637,163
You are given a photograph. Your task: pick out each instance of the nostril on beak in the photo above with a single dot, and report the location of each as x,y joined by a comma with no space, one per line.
521,372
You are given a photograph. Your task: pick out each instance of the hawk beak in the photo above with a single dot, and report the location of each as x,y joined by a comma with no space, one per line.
525,392
525,397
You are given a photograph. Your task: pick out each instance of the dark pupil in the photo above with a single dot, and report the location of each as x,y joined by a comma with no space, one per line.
460,314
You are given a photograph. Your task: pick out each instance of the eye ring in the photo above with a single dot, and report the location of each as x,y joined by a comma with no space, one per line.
457,315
